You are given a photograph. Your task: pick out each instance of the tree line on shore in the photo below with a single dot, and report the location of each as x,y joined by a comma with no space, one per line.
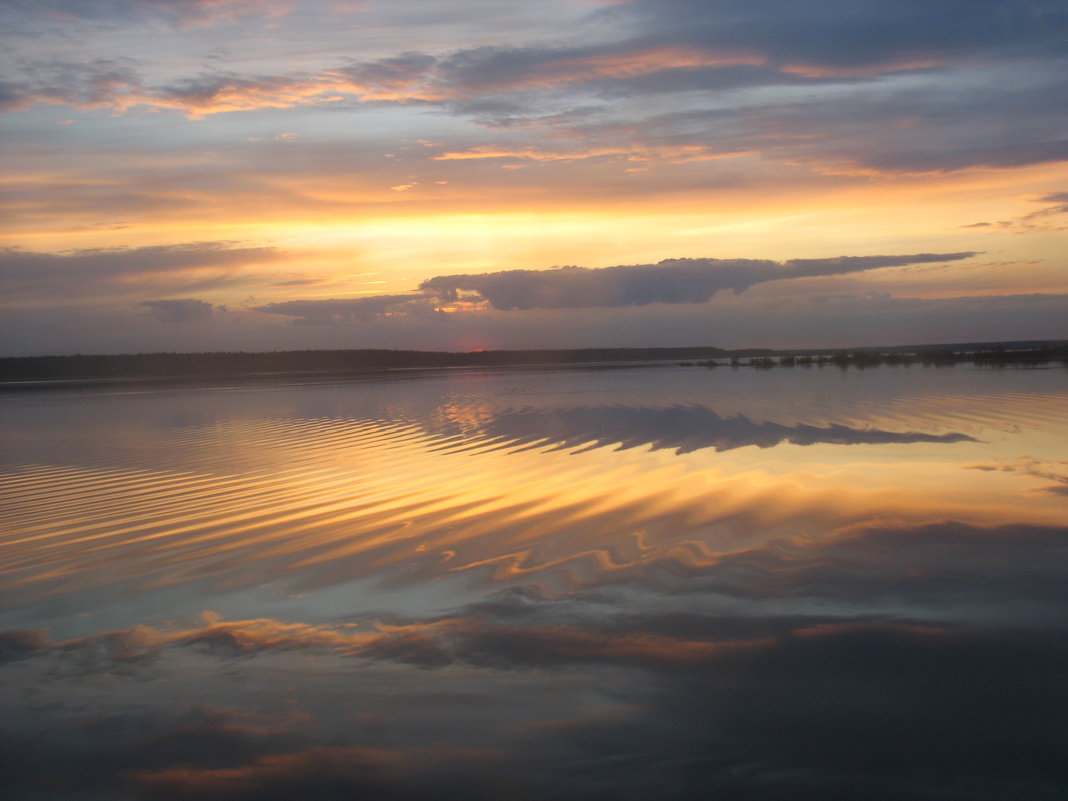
991,357
239,364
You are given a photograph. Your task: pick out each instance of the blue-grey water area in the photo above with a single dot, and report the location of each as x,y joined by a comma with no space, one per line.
649,582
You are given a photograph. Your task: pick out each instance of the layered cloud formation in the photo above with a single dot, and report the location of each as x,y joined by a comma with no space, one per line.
298,147
670,281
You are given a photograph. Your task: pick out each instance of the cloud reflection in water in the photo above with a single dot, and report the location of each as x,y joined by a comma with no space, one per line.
500,586
684,429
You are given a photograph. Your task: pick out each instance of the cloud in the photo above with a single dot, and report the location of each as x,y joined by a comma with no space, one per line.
850,34
920,125
246,637
14,97
854,89
105,651
336,773
1055,471
495,69
636,151
184,310
461,81
120,87
669,281
30,275
1044,219
1056,205
180,12
511,647
18,644
347,310
768,315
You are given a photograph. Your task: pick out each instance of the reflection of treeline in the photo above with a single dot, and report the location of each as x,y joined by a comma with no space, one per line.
990,356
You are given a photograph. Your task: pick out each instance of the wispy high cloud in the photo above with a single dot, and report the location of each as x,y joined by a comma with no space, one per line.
183,310
181,12
1051,217
36,277
341,310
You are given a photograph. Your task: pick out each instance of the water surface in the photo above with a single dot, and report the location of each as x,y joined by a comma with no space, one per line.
562,584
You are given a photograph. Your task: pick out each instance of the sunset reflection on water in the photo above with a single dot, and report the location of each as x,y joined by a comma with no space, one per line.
548,584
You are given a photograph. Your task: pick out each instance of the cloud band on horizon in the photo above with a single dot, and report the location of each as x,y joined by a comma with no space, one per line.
668,281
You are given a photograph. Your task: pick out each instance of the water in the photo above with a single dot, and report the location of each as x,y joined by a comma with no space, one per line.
563,584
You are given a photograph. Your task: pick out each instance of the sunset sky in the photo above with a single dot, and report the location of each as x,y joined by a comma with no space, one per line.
454,175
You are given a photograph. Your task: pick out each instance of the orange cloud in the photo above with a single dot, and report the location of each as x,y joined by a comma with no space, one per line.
228,94
677,154
857,70
365,772
633,64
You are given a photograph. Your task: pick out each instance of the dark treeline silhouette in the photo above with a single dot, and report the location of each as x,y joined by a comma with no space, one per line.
243,364
237,364
986,354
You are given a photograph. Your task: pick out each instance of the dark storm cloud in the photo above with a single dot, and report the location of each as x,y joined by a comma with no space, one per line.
668,281
682,428
80,273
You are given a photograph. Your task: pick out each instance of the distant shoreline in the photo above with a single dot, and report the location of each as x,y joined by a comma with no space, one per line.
43,372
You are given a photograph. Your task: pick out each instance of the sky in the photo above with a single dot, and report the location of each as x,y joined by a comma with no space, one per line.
458,175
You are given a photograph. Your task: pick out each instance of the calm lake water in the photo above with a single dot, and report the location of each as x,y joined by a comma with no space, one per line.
655,582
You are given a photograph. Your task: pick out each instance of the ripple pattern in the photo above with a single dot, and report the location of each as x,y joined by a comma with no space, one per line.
454,477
